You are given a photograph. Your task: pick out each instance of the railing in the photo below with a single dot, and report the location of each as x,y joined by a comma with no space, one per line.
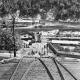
62,53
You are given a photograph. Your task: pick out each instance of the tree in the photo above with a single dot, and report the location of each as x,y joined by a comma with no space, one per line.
6,40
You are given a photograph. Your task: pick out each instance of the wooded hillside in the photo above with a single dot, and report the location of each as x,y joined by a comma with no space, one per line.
62,9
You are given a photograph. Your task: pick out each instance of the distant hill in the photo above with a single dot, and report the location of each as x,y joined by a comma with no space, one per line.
61,9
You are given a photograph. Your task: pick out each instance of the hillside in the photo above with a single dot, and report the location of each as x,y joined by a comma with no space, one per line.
57,9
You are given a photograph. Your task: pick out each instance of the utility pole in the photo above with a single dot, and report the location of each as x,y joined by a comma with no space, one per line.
13,33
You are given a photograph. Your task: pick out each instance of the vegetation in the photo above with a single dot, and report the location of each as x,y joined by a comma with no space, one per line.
6,40
63,9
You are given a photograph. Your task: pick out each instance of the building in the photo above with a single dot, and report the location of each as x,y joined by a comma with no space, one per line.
26,40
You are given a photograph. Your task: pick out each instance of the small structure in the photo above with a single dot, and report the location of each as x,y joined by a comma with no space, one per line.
26,40
37,36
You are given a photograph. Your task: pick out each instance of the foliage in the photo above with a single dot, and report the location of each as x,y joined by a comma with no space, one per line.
64,8
6,40
8,6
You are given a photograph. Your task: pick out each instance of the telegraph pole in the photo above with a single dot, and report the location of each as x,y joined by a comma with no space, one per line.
13,33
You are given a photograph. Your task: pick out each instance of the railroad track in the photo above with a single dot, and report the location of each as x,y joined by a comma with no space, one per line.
41,69
21,68
47,70
66,70
64,73
53,70
37,71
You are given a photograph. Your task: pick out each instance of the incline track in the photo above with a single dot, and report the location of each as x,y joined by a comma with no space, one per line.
60,66
59,71
16,69
37,71
48,72
41,69
66,70
21,68
52,70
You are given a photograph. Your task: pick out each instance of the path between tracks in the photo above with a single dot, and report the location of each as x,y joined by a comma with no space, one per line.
22,67
36,72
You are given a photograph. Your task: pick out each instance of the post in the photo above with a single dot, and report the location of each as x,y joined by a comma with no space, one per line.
14,36
47,48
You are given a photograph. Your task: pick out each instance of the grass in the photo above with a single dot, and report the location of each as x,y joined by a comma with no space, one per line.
7,69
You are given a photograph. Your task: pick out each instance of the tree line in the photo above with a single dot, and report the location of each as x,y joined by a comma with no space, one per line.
63,9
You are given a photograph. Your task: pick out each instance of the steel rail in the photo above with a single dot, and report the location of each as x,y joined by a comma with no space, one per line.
47,70
67,70
22,78
16,68
59,71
